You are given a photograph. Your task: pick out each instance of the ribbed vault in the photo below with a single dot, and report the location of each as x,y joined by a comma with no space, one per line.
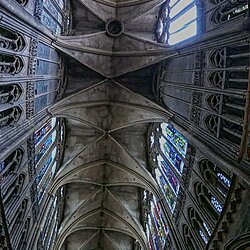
105,162
105,166
135,46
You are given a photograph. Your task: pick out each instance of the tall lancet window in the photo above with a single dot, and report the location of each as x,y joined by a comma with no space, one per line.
52,14
170,149
177,21
47,139
157,230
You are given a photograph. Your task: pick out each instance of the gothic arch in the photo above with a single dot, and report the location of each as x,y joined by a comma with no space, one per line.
10,93
214,176
188,238
11,163
242,242
204,197
10,117
198,225
11,40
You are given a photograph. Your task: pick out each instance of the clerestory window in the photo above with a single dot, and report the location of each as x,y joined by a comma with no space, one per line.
177,21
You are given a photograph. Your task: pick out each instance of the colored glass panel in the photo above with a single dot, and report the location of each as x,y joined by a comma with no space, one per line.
216,204
171,155
175,138
152,139
45,146
223,179
158,224
153,234
203,236
169,175
168,193
39,134
46,167
43,170
207,229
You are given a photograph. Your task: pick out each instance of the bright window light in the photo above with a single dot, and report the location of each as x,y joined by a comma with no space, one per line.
181,5
183,20
184,34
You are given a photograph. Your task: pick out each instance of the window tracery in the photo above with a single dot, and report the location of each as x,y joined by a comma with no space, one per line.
229,10
11,40
22,2
11,164
10,93
53,15
177,21
215,176
188,238
10,117
201,230
208,201
156,227
10,193
168,152
10,64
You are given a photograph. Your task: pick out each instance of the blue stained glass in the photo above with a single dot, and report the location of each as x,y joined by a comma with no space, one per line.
203,236
39,134
43,51
43,149
44,170
52,9
222,178
216,204
207,229
169,175
50,23
175,138
2,166
171,155
153,234
168,193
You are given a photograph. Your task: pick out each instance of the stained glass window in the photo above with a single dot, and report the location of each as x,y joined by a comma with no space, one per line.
176,139
46,167
40,133
216,204
53,15
177,21
166,190
207,229
169,175
171,154
223,179
204,238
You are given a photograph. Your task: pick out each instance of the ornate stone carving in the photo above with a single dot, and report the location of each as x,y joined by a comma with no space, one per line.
11,40
10,117
216,79
38,9
22,2
199,65
195,115
33,60
31,157
212,124
30,96
10,64
214,101
197,98
229,10
10,93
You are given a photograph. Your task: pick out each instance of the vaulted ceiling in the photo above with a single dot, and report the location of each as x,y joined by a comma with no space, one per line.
108,110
